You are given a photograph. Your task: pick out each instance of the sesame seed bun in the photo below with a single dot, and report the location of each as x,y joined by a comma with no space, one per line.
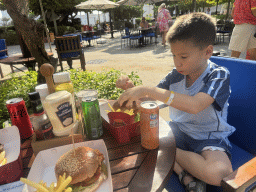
81,164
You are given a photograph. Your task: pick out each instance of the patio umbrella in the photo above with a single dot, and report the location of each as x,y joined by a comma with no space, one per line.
137,2
97,5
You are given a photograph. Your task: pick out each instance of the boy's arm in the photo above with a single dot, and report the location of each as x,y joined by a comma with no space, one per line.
189,104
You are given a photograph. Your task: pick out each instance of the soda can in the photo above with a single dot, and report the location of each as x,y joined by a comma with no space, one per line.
149,124
91,117
19,117
78,100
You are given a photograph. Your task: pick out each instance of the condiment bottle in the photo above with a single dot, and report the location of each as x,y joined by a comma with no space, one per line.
60,107
41,123
63,82
43,92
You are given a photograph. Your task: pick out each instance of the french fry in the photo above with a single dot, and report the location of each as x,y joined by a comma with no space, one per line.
111,107
68,189
118,110
59,181
51,188
39,187
64,184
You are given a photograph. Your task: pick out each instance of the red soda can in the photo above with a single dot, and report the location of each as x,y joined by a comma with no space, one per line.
19,117
149,124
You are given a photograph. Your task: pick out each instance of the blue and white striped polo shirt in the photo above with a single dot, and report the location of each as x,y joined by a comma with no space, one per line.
210,123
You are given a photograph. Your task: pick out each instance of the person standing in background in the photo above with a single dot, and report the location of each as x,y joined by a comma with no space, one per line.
208,11
243,36
163,21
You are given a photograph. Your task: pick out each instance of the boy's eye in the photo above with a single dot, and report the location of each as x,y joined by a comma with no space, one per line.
184,57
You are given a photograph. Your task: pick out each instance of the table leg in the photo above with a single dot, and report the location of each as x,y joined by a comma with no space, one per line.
12,68
1,72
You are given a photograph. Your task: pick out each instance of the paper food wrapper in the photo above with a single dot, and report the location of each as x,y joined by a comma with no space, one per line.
44,164
12,170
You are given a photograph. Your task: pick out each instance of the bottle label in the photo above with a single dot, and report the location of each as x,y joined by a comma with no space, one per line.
65,114
47,130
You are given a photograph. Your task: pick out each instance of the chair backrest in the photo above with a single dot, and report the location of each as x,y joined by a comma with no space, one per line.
242,102
68,46
3,47
127,32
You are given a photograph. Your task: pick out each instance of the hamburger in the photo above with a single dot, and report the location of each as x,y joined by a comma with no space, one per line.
85,166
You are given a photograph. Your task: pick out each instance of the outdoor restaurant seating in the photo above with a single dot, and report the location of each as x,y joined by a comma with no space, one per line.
152,33
125,35
3,54
224,29
135,36
241,115
69,48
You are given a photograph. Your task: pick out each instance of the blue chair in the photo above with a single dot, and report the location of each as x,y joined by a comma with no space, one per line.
3,54
69,48
152,34
125,36
241,115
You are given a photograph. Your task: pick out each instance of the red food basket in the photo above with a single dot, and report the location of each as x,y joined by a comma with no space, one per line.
123,133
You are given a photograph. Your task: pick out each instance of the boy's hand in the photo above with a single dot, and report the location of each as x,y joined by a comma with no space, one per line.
131,95
124,83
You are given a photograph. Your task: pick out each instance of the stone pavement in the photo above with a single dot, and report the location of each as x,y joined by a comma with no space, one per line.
151,62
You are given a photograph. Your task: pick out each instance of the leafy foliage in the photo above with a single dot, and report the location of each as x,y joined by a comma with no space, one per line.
16,87
103,82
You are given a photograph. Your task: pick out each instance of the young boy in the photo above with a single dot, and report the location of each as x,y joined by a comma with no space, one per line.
197,92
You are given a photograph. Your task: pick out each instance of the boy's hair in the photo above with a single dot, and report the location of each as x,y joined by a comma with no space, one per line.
198,28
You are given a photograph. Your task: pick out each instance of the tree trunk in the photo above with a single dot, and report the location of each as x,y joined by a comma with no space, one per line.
228,9
30,31
194,5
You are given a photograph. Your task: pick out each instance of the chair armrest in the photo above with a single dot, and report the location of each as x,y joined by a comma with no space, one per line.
241,179
4,50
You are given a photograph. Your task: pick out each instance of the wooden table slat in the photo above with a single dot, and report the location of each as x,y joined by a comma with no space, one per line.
122,180
124,151
127,163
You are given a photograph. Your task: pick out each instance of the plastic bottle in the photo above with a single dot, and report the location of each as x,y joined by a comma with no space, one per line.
63,82
40,121
60,107
43,92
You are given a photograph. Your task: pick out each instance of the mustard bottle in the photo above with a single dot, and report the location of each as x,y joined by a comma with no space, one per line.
63,82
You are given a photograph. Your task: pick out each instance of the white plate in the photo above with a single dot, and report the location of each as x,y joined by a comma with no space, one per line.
43,166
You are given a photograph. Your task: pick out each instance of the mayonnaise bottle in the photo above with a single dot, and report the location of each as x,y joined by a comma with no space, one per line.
60,108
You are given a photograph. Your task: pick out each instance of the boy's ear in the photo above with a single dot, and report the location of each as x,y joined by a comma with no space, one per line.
209,51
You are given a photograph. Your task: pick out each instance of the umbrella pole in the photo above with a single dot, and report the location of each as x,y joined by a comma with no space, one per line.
45,25
111,26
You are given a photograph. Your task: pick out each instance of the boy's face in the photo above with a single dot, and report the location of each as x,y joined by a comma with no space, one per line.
190,59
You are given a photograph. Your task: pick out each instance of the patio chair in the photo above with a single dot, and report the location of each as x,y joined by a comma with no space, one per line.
241,115
224,30
3,54
68,49
152,34
125,35
135,36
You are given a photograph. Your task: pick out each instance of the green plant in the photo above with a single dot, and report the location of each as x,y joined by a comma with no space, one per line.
103,82
16,87
61,30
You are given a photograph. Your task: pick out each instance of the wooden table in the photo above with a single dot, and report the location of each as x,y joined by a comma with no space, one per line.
19,59
133,168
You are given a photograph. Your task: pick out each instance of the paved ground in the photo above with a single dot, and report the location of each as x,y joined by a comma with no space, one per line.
151,63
